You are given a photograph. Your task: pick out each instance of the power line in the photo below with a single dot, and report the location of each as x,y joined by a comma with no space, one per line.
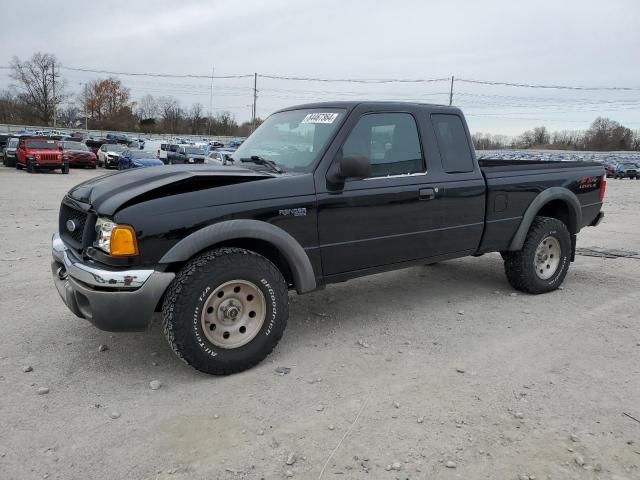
556,87
355,80
161,75
346,80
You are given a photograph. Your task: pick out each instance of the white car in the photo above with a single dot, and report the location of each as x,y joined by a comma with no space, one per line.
219,158
109,154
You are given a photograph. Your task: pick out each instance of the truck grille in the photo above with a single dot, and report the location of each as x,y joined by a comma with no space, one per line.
76,227
49,157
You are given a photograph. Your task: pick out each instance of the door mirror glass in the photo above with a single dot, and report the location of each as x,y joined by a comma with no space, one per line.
354,166
348,166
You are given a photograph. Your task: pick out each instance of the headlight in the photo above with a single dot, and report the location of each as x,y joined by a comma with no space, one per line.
116,240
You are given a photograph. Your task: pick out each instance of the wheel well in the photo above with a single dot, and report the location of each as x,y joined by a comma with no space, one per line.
559,210
261,247
265,249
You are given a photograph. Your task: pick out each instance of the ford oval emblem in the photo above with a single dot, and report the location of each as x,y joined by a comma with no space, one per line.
71,225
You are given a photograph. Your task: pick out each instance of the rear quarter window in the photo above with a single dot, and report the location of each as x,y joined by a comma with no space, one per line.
455,150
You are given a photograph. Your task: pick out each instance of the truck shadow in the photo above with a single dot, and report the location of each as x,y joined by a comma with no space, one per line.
312,317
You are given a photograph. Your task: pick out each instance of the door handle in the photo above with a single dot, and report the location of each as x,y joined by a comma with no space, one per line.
428,193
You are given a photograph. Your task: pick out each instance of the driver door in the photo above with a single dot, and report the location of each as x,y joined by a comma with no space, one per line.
390,217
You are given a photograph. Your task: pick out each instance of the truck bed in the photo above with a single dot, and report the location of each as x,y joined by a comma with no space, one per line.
513,184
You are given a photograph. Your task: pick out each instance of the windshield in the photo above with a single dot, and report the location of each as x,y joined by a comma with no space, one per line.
142,154
42,144
194,151
74,146
292,139
116,148
13,143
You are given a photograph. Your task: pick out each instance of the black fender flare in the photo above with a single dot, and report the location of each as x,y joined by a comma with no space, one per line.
303,276
546,196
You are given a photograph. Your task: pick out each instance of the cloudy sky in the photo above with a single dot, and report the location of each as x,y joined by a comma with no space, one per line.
574,43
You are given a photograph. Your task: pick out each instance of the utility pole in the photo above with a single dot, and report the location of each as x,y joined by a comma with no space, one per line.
86,114
211,100
53,82
255,100
451,92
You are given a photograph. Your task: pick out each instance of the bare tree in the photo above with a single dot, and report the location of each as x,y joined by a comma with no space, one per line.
171,113
147,108
69,115
607,134
196,118
39,84
540,136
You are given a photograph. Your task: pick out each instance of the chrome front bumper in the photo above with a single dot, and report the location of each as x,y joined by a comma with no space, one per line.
111,299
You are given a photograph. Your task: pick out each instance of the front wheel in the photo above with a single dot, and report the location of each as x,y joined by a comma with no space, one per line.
543,262
30,168
225,311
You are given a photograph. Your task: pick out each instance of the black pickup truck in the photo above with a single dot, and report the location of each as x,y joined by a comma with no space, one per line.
319,194
179,154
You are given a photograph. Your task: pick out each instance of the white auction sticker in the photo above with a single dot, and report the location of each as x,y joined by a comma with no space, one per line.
320,118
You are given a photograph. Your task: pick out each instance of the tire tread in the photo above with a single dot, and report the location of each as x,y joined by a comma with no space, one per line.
517,264
174,302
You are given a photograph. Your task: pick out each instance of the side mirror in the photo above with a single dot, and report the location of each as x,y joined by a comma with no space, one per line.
349,166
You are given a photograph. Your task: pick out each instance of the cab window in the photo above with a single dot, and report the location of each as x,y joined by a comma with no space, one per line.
390,141
453,144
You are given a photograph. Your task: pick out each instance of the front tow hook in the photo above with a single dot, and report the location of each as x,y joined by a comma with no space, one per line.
62,273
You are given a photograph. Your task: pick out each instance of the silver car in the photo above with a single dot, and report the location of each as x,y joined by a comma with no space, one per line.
9,153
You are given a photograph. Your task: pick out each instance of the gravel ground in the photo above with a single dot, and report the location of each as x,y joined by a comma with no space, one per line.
427,373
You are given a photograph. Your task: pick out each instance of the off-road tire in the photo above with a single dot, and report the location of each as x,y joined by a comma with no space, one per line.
18,165
190,290
30,168
519,266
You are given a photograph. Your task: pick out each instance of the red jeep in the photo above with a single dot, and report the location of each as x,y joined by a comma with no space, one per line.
40,153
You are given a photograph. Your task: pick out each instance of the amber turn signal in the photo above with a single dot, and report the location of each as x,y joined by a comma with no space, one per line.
123,241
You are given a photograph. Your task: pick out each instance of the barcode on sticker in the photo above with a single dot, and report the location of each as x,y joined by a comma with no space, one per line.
320,118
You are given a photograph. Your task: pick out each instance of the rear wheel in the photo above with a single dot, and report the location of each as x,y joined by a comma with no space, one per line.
543,262
225,311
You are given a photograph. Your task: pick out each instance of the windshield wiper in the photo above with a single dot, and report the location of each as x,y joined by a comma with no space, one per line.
263,161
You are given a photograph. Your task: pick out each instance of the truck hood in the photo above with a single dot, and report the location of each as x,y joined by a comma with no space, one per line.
109,193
